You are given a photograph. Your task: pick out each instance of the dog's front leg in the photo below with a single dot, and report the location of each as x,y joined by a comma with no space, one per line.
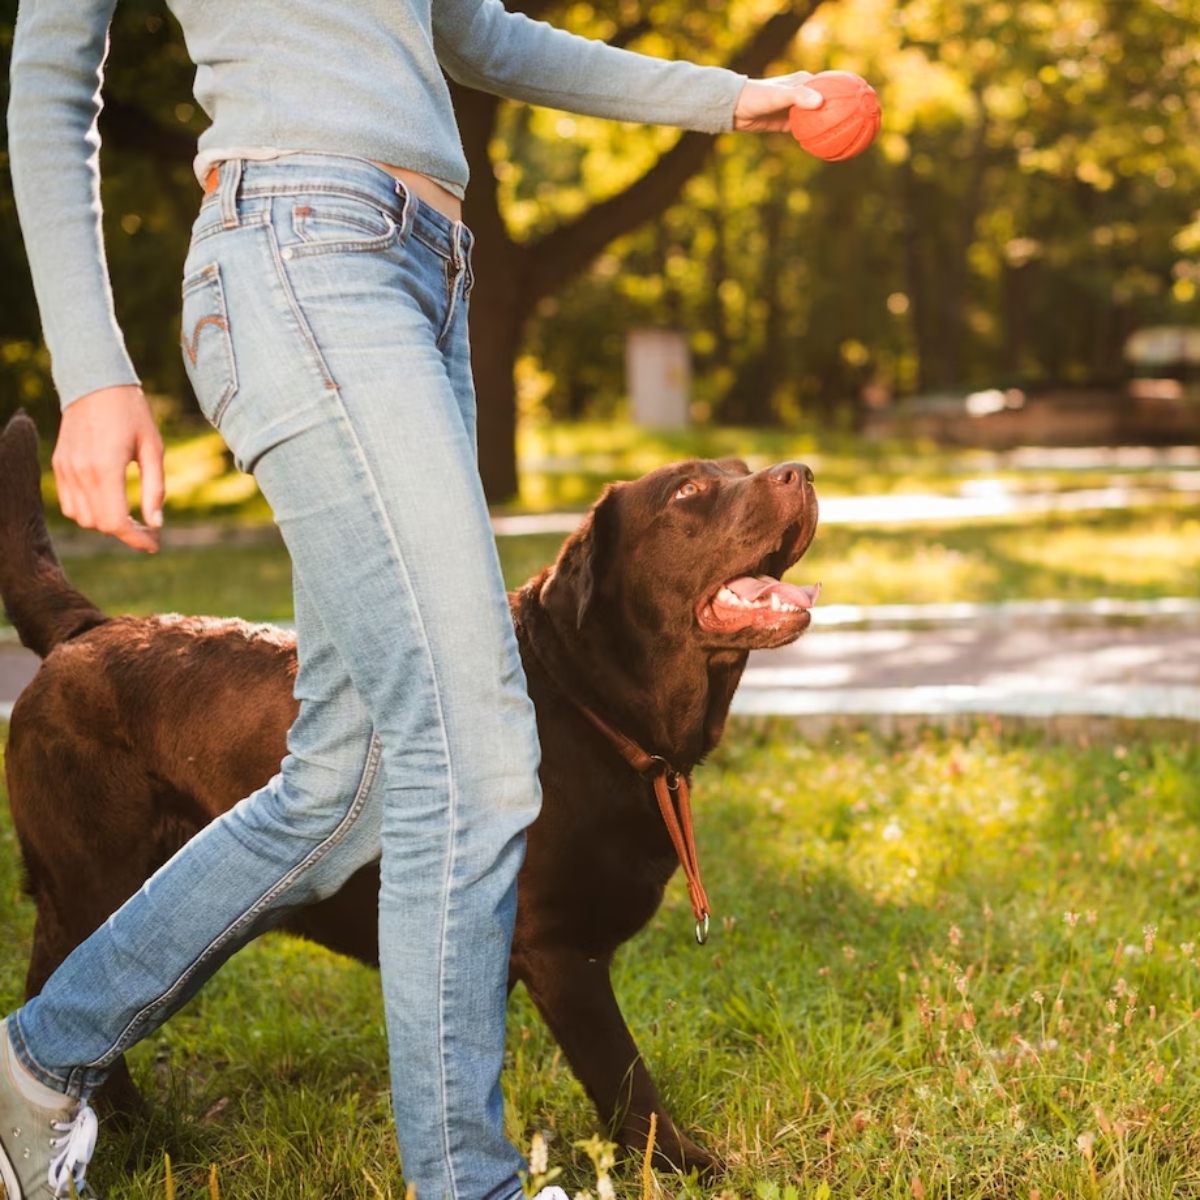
575,997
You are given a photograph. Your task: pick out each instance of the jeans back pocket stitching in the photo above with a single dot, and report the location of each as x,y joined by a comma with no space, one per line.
208,279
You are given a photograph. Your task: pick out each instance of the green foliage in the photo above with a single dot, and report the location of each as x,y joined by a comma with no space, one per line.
1030,203
1027,207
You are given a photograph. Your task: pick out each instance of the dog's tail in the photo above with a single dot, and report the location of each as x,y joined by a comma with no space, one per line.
43,607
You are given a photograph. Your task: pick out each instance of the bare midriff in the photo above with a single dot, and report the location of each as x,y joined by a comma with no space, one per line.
429,190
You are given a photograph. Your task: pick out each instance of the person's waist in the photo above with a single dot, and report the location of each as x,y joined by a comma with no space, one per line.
428,190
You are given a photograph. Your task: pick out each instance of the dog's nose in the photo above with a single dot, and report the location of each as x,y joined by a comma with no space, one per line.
792,474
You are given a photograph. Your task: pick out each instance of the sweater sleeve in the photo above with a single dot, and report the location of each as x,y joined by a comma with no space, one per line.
482,45
57,66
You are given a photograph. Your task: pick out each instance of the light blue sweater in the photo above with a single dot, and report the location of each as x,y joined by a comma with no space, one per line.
360,77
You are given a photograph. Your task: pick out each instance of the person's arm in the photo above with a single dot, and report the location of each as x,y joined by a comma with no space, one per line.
484,46
55,75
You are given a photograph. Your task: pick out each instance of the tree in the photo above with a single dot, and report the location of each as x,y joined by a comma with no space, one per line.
514,275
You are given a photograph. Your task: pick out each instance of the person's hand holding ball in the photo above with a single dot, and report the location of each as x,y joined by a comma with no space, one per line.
833,115
845,125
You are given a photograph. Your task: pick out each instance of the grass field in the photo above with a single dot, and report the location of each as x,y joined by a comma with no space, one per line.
1137,553
1143,552
962,967
565,466
957,966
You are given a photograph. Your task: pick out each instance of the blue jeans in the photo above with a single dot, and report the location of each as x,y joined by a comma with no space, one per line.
324,328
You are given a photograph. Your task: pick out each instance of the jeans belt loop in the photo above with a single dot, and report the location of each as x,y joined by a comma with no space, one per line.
229,186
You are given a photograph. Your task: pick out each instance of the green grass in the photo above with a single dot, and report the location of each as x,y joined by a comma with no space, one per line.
1147,551
567,465
958,966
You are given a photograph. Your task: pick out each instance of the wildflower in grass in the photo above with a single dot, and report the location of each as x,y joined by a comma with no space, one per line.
955,935
539,1167
603,1156
892,832
1071,918
1149,933
538,1155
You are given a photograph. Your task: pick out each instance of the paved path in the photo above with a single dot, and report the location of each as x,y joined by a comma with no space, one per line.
1015,669
1042,659
1007,659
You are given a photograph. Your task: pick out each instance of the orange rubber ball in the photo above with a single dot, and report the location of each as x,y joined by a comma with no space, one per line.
845,125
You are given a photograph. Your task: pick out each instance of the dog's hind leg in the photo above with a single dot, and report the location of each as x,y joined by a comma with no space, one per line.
575,997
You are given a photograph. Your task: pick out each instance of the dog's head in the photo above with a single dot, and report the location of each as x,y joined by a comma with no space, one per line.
696,551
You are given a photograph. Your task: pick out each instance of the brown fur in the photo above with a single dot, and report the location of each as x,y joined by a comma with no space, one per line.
136,731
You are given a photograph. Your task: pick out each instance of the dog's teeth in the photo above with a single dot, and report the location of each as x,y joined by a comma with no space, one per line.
776,603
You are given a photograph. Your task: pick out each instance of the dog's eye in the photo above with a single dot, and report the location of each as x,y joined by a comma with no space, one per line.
688,489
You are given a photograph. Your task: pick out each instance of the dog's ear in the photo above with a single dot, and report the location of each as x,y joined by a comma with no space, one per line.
570,588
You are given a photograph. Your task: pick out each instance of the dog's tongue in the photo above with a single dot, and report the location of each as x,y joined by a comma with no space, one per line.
760,589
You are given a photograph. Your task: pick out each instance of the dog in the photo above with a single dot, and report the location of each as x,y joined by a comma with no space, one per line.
633,643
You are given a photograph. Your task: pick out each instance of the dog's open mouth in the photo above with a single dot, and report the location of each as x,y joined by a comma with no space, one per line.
757,600
762,600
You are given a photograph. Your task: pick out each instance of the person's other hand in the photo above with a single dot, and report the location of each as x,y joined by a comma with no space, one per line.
101,434
764,104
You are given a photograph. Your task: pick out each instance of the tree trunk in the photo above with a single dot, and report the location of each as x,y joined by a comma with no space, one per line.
512,278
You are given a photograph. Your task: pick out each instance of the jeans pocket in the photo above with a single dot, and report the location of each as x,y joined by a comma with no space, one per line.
207,345
325,224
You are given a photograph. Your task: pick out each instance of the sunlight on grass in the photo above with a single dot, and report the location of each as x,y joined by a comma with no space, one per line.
958,966
1142,553
202,480
1160,550
567,466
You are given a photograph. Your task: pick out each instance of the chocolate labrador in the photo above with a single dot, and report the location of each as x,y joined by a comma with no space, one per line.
136,731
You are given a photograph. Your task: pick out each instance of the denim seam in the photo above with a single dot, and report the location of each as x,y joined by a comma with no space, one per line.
298,313
380,199
451,811
305,215
20,1047
375,245
451,803
429,243
129,1034
252,221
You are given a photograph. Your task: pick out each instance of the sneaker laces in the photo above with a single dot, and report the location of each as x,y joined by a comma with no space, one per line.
75,1148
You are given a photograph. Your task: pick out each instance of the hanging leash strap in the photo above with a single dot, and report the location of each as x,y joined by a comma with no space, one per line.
676,812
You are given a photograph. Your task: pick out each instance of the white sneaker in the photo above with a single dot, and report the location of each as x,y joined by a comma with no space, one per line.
43,1151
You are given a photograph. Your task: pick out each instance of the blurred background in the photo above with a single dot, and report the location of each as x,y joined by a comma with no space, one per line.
1016,260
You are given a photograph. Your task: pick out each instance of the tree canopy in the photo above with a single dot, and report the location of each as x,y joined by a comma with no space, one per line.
1030,202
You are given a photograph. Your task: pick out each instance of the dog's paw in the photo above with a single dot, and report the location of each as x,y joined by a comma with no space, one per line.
683,1155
